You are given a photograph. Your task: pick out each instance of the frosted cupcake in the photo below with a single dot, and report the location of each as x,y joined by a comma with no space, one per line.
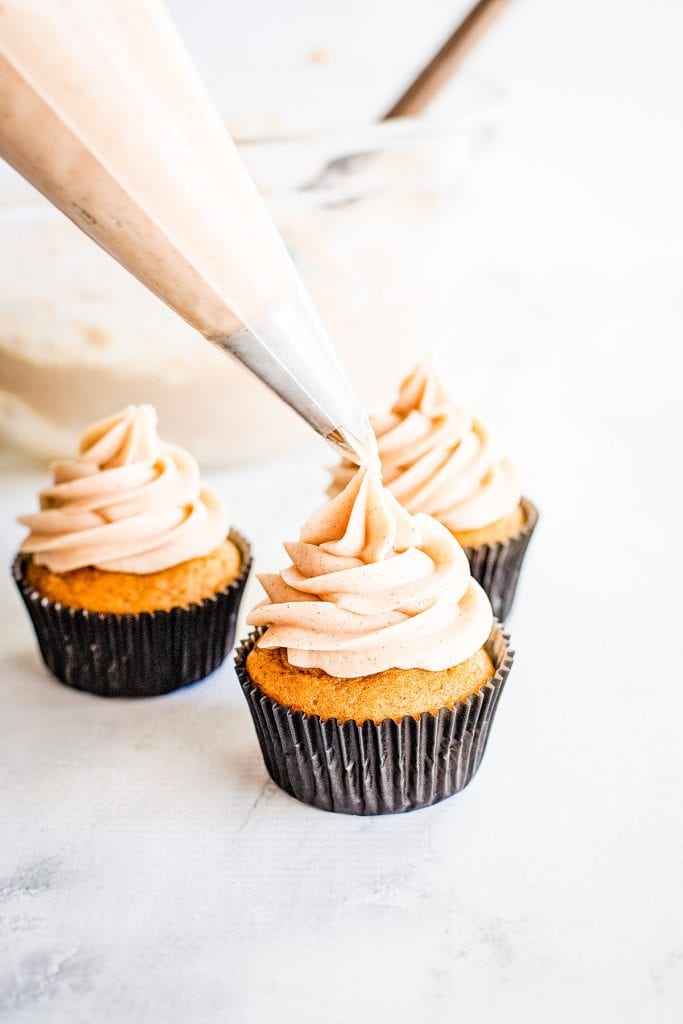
130,572
439,459
376,667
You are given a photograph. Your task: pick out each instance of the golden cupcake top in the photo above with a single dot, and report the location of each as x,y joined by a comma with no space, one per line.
438,458
372,587
127,502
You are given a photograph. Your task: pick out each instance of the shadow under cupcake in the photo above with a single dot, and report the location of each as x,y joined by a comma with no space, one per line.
376,668
130,573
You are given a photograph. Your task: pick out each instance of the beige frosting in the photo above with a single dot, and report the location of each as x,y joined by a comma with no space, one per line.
127,503
372,587
108,117
439,459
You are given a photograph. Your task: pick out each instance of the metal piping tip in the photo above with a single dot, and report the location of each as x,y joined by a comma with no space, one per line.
358,445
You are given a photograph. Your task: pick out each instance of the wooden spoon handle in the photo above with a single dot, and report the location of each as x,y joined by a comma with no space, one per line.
442,65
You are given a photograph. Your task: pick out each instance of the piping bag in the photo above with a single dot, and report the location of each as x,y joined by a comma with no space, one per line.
104,112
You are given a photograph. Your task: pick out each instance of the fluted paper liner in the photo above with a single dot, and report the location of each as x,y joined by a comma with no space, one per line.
497,566
374,768
140,655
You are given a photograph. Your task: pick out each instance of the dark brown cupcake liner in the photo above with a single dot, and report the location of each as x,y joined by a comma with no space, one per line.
135,655
383,768
497,566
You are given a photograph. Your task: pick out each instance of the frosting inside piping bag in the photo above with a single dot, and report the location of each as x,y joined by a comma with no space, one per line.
107,116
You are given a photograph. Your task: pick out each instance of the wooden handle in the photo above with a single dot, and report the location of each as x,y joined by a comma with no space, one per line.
442,65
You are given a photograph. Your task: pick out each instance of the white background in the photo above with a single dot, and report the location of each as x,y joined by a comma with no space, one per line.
149,872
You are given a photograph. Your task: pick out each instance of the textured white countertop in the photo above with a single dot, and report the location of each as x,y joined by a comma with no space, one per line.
150,872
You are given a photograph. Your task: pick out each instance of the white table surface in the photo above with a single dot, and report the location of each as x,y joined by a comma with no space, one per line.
150,872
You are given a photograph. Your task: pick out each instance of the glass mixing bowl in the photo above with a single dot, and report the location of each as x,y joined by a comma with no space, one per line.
370,216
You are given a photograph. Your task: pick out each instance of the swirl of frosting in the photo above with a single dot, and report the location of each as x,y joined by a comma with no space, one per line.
127,503
372,587
437,458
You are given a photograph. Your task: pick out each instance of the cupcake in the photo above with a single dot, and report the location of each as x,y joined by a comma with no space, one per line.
439,459
376,666
130,572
